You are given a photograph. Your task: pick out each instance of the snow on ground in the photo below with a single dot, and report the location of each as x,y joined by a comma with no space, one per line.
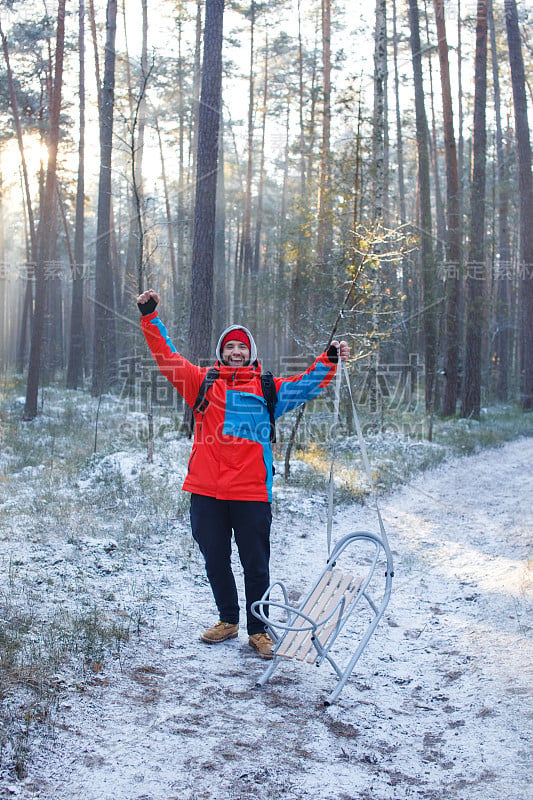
439,705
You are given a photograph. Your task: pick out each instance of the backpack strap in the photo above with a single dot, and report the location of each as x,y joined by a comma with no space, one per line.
268,388
201,402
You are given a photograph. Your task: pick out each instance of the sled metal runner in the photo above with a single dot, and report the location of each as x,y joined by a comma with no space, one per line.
310,630
337,599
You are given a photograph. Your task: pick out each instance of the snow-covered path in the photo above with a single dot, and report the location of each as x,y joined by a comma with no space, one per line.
439,707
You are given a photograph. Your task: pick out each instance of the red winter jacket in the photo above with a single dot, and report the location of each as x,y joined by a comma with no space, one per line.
231,457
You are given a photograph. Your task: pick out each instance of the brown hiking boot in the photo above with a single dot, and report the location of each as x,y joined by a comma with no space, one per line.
262,643
220,632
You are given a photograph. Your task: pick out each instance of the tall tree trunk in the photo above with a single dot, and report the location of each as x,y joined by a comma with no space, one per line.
381,321
325,225
139,148
168,217
429,278
195,109
460,115
46,223
502,336
281,277
219,258
94,37
178,289
453,225
201,313
135,267
129,280
256,263
297,301
434,151
405,267
104,323
246,254
475,278
136,155
380,103
75,360
525,186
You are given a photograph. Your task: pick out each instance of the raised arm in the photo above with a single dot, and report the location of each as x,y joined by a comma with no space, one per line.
183,375
298,389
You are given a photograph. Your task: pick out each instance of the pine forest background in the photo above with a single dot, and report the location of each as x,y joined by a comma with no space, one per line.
372,177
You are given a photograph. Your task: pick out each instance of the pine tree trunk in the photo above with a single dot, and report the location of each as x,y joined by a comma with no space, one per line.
502,334
104,325
525,187
434,152
178,288
475,278
405,267
246,254
201,314
134,279
168,216
460,121
429,280
195,110
219,260
378,132
92,23
130,281
75,359
325,227
453,226
281,277
297,302
46,224
256,263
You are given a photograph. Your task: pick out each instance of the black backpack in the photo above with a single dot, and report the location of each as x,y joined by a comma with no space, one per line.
268,388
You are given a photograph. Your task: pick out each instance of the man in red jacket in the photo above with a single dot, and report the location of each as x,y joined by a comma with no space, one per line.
230,469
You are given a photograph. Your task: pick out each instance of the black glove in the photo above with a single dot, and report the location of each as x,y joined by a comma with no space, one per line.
148,307
332,354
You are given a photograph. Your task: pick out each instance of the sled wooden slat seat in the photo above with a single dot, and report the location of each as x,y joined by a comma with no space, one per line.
350,587
309,631
332,588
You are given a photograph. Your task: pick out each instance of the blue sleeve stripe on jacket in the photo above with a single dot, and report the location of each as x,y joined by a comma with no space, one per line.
292,394
156,322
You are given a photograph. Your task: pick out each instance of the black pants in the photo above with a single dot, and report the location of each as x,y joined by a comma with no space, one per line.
212,523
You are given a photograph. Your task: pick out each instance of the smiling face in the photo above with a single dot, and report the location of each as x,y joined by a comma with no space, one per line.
235,353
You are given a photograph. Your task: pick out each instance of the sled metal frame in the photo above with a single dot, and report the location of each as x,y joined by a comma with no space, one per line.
311,629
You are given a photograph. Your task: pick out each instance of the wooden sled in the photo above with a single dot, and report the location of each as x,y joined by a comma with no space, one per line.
310,631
